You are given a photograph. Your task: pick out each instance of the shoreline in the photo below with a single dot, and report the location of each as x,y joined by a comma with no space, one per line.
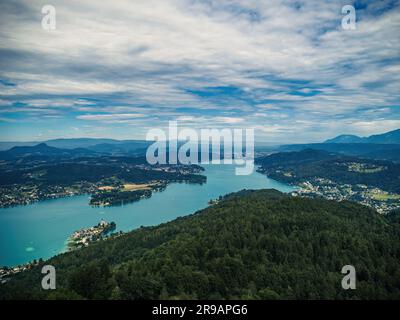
260,179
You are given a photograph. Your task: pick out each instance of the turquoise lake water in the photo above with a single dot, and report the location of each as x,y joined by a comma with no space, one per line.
40,230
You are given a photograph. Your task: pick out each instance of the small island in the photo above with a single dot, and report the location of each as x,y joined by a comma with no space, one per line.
83,237
120,194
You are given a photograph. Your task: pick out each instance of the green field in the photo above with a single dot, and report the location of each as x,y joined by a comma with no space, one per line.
384,196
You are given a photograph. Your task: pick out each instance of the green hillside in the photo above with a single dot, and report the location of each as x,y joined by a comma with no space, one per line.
251,245
297,167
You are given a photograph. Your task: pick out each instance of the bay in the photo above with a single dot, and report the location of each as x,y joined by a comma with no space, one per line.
40,230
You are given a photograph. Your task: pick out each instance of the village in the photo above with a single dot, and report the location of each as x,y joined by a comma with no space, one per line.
83,237
380,200
79,239
6,273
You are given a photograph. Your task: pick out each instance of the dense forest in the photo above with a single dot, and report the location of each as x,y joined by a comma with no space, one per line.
297,167
251,245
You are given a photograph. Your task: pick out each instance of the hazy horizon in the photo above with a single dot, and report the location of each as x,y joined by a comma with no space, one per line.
257,142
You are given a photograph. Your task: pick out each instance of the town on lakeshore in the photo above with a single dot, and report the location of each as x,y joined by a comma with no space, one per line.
79,239
381,201
83,237
6,273
317,173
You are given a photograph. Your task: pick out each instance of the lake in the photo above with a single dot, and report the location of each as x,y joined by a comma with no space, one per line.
40,230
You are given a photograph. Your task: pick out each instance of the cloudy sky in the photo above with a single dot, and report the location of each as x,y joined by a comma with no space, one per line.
118,68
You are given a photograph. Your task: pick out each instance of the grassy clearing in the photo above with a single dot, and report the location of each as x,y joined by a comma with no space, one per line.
133,187
384,196
106,188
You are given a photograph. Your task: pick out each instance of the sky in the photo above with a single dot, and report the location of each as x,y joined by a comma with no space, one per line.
116,69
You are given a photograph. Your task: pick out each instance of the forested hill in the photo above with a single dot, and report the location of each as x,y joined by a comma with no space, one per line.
252,244
297,167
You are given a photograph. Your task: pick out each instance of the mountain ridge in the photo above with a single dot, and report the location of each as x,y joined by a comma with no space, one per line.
71,143
43,150
391,137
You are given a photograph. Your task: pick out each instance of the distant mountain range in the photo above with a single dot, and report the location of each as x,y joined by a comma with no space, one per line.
384,146
88,143
73,148
392,137
365,150
43,150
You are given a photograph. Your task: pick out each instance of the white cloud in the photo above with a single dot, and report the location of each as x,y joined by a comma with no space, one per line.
110,117
144,56
228,120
